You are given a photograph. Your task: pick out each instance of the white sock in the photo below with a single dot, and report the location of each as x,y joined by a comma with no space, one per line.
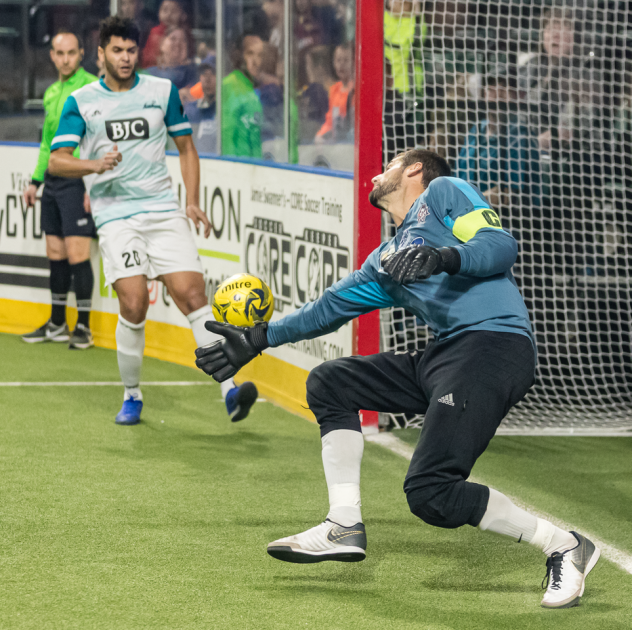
504,517
132,392
342,457
549,538
130,345
203,337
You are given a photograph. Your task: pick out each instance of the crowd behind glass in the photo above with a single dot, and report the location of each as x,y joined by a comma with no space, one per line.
179,41
506,122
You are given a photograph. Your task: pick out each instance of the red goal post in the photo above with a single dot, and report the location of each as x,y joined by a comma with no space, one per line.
368,161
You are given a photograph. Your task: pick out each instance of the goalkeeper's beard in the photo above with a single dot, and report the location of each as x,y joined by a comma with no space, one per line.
383,190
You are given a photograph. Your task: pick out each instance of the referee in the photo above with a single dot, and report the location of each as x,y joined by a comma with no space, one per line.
66,219
450,265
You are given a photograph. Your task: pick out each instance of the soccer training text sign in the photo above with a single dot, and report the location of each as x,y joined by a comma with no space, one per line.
296,268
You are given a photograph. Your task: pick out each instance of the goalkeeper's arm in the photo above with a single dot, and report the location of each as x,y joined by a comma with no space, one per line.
352,296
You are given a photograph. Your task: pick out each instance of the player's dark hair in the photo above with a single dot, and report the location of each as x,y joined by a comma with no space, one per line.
116,26
434,165
65,31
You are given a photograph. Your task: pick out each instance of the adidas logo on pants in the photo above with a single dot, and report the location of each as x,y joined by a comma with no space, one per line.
447,400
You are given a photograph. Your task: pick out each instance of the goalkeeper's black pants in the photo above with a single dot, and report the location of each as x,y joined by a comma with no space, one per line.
464,385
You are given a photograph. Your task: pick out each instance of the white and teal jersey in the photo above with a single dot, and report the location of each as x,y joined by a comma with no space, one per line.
137,121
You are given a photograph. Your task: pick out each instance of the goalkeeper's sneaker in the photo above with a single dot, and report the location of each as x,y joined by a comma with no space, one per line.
239,400
566,573
130,412
81,338
48,332
327,541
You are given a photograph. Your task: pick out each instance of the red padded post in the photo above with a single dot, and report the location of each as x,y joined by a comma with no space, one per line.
368,160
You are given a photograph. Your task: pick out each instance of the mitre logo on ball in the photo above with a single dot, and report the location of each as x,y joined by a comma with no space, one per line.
243,300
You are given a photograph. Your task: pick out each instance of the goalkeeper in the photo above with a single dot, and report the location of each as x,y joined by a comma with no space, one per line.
449,264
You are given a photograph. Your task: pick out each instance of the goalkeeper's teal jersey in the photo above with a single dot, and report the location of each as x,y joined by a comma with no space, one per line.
137,122
483,295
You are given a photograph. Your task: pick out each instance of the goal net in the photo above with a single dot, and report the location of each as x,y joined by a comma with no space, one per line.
531,101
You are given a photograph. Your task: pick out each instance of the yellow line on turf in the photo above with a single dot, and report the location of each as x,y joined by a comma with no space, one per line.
209,253
618,557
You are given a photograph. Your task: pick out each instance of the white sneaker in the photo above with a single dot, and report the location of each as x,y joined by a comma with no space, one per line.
327,541
566,574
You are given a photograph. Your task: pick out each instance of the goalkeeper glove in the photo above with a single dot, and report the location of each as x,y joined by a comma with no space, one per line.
223,359
419,262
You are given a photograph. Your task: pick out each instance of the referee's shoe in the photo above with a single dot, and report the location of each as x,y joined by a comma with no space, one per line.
327,541
48,332
81,338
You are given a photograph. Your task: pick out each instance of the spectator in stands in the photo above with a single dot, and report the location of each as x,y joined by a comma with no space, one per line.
241,108
201,113
314,98
271,95
545,79
270,92
134,10
404,33
205,53
574,123
274,12
337,20
308,33
174,63
500,156
171,15
335,128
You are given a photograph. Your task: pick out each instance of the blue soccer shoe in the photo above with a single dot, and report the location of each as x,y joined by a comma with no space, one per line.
239,400
130,412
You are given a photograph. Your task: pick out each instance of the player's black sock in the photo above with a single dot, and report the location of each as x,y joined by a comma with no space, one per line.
84,283
60,277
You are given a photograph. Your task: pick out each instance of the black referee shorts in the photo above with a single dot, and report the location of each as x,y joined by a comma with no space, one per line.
464,385
62,208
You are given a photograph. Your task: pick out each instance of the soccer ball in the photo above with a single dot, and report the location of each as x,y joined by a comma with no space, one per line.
243,300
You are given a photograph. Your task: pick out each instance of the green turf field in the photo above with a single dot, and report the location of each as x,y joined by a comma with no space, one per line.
164,525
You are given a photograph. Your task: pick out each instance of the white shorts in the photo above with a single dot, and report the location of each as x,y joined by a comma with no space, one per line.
148,244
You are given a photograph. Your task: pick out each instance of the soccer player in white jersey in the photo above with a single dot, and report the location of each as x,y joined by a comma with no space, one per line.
121,124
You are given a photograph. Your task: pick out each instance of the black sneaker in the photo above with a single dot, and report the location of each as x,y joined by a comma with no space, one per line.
81,338
48,332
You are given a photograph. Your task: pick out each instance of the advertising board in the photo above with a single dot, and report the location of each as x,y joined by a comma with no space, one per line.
292,228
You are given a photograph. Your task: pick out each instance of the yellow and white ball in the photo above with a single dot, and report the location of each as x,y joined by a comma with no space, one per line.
243,300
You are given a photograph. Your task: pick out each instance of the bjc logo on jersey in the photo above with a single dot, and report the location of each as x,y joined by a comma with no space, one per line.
130,129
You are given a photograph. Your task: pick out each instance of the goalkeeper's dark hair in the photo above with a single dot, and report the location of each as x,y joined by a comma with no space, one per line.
434,165
116,26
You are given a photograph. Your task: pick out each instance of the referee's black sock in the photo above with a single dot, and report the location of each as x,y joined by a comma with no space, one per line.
84,283
60,278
